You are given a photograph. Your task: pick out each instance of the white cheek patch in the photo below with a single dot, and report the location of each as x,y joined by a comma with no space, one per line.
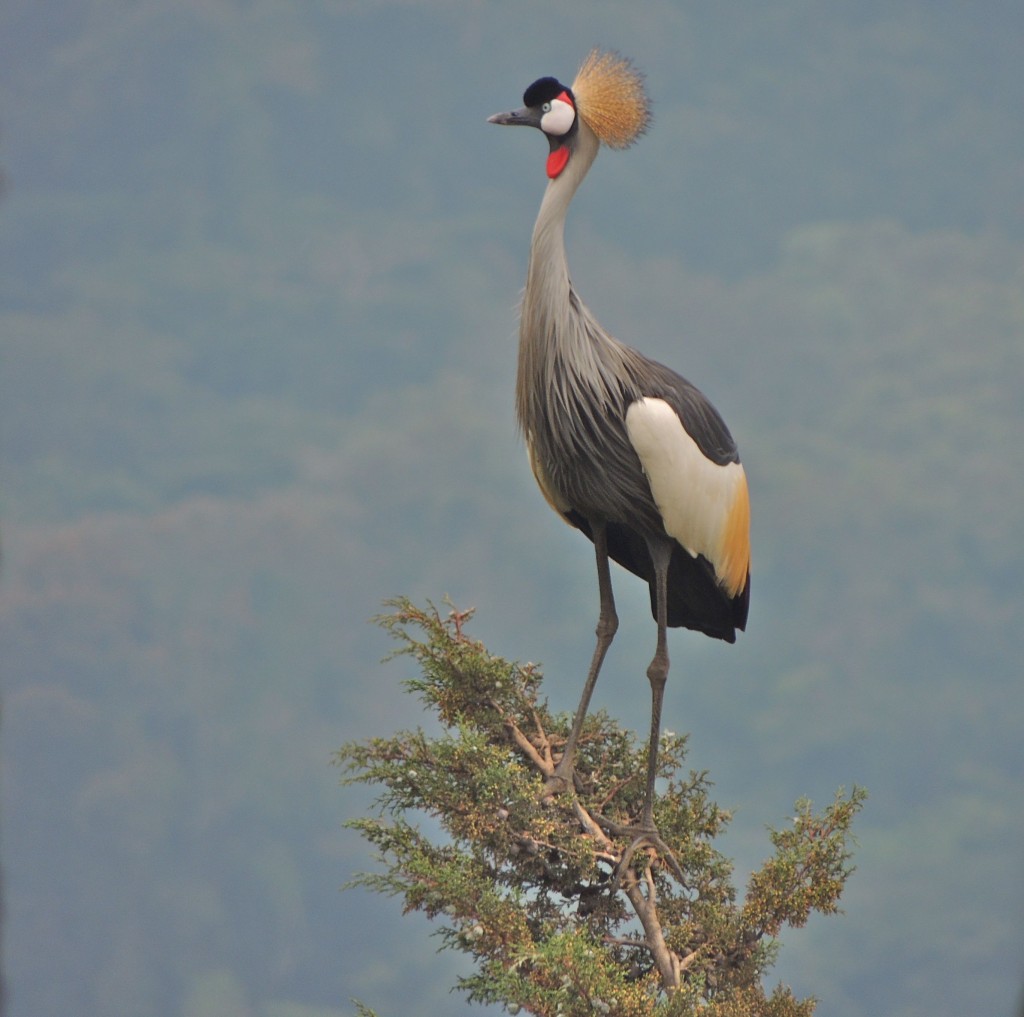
559,119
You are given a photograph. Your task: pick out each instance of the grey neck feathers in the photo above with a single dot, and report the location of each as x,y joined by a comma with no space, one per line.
563,352
547,280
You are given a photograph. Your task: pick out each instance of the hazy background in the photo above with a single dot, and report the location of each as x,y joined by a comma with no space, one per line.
260,269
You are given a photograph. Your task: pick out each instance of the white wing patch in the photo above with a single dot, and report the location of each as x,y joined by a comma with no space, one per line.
704,506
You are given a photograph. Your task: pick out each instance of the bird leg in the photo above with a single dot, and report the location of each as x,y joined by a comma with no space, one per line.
645,832
607,624
657,673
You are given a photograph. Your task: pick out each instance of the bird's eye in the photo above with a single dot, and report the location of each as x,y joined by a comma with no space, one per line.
546,108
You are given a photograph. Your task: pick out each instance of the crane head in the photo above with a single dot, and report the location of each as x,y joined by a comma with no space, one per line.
608,95
551,107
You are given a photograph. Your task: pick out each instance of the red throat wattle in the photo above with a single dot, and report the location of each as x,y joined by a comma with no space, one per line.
557,161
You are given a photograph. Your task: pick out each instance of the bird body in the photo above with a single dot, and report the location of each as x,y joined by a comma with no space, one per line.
597,417
622,447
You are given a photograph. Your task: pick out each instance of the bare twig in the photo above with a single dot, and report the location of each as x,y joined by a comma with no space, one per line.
524,744
665,960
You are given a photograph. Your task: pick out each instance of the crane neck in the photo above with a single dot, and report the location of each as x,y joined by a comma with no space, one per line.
549,270
555,329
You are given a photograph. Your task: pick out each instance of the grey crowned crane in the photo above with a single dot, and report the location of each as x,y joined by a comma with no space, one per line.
622,447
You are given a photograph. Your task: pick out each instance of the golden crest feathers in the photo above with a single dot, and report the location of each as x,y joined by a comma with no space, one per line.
611,98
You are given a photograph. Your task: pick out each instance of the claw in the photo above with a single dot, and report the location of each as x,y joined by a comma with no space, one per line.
663,851
643,837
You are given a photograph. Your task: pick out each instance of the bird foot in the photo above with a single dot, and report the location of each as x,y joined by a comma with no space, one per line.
645,835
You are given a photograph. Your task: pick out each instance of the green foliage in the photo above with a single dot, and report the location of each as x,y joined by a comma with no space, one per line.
256,349
561,911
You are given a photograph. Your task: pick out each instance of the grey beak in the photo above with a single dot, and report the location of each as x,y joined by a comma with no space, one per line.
524,117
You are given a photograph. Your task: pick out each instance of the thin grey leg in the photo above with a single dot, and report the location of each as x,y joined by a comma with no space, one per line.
657,672
607,625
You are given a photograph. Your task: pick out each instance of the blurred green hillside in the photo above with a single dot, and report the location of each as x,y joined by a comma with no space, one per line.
259,266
